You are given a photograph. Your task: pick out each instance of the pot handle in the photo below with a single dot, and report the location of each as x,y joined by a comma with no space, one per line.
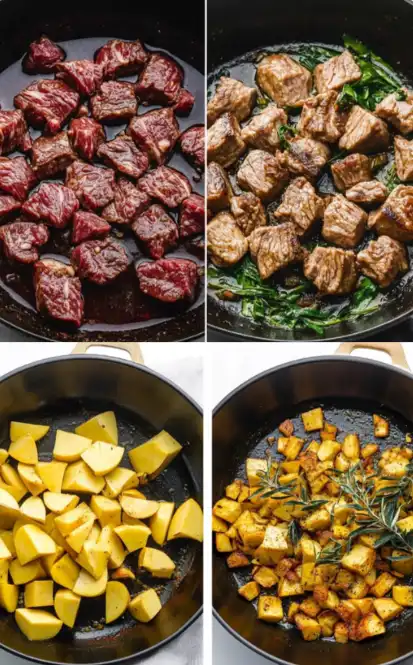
393,349
133,348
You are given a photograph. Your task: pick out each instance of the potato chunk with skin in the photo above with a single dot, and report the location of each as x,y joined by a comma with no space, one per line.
66,605
37,625
69,521
108,511
159,522
369,626
187,522
87,587
39,593
145,606
9,509
27,573
359,560
351,447
68,447
117,601
133,536
249,591
102,457
30,478
403,595
270,609
34,509
381,426
310,628
156,562
327,620
79,478
138,508
102,427
9,596
154,456
65,572
118,481
387,609
18,430
313,420
52,474
328,450
24,450
31,543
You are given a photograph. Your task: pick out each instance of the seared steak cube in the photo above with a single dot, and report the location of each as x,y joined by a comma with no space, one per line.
332,270
262,174
123,155
336,72
58,291
115,102
47,103
350,171
369,194
87,225
321,118
225,241
121,58
83,75
51,155
8,206
42,56
395,217
403,155
160,81
128,202
168,280
398,112
16,177
99,261
51,203
219,190
156,133
262,130
86,136
192,143
192,216
231,96
13,132
93,185
284,80
167,185
184,102
157,230
21,240
225,144
382,260
344,222
364,132
248,212
305,156
300,205
274,248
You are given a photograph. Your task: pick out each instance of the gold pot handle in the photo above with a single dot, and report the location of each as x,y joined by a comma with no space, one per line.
393,349
133,349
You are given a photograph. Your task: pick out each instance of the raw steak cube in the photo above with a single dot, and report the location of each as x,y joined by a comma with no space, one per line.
321,118
350,171
13,132
225,143
52,203
395,217
128,203
300,205
87,225
51,155
157,230
262,174
42,56
397,111
8,206
123,155
336,72
382,260
364,132
94,186
16,177
184,103
344,222
248,212
167,185
156,133
100,261
160,81
121,58
274,248
83,75
219,190
21,240
225,241
86,135
370,193
115,102
47,103
305,157
58,291
231,96
262,130
192,143
284,80
332,270
192,216
403,154
168,280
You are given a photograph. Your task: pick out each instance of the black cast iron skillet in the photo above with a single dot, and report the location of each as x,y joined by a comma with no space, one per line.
350,390
235,28
63,392
172,27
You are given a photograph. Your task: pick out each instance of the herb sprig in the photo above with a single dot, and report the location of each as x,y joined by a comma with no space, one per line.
331,553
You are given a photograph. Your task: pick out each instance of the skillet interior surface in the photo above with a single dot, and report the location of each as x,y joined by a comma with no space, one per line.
54,393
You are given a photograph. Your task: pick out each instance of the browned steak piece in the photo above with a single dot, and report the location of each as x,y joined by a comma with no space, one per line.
42,56
8,206
115,102
284,80
248,212
184,102
262,130
192,143
231,96
47,103
274,248
321,118
51,155
219,191
123,155
344,222
13,132
403,155
300,205
225,241
350,171
169,280
382,260
335,72
332,270
225,144
17,177
369,194
100,261
121,58
157,230
86,135
192,216
263,174
305,157
21,239
58,291
160,81
83,75
395,217
51,203
398,112
128,202
94,186
87,225
156,133
167,185
364,132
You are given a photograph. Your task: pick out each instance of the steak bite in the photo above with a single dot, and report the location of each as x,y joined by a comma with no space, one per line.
332,270
397,111
192,143
231,96
47,103
219,191
248,212
395,217
42,56
121,58
167,185
156,133
344,222
13,132
370,193
157,230
403,155
284,80
336,72
86,136
8,206
382,260
262,174
300,205
225,143
192,216
51,155
115,102
58,291
364,132
123,155
350,171
51,203
94,186
225,240
17,177
305,157
262,130
321,118
160,81
100,261
83,75
168,280
128,202
87,225
21,240
274,248
184,103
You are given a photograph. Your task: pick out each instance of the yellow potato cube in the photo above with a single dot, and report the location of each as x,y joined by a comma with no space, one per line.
52,474
381,426
308,575
404,567
154,456
156,562
187,522
159,522
359,587
5,553
351,447
289,588
254,470
49,560
223,543
30,478
17,430
15,492
60,503
133,536
252,535
108,511
4,571
309,549
273,547
317,521
112,544
102,427
406,524
265,577
313,420
9,597
270,609
328,450
66,605
31,543
403,595
383,585
79,478
27,573
145,606
102,457
118,481
369,626
9,510
310,628
77,538
341,632
38,593
341,463
117,600
310,607
292,610
387,609
218,525
363,605
37,625
327,620
293,448
68,447
87,587
34,509
325,597
65,572
359,560
137,508
93,559
249,591
368,450
69,521
24,450
123,573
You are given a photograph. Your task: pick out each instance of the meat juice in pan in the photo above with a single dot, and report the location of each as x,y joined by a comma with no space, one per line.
119,304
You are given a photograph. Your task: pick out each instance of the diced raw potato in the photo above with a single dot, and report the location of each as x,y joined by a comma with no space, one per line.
383,585
123,573
369,626
18,430
34,509
270,609
69,521
117,601
351,447
79,478
187,522
65,572
77,538
154,456
310,607
310,628
254,470
145,606
223,543
37,625
49,560
102,427
249,591
359,560
24,450
9,510
31,479
3,455
313,420
112,544
66,605
102,457
15,492
39,594
138,508
159,522
156,562
106,510
266,577
52,474
4,571
381,426
68,447
27,573
87,587
133,536
31,543
8,539
5,553
93,558
60,503
387,609
9,596
118,481
403,595
328,450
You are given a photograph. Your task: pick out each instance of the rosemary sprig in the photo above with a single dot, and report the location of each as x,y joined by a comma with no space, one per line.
270,486
304,502
294,532
331,553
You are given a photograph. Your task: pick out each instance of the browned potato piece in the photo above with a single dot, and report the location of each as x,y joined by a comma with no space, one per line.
381,427
249,591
